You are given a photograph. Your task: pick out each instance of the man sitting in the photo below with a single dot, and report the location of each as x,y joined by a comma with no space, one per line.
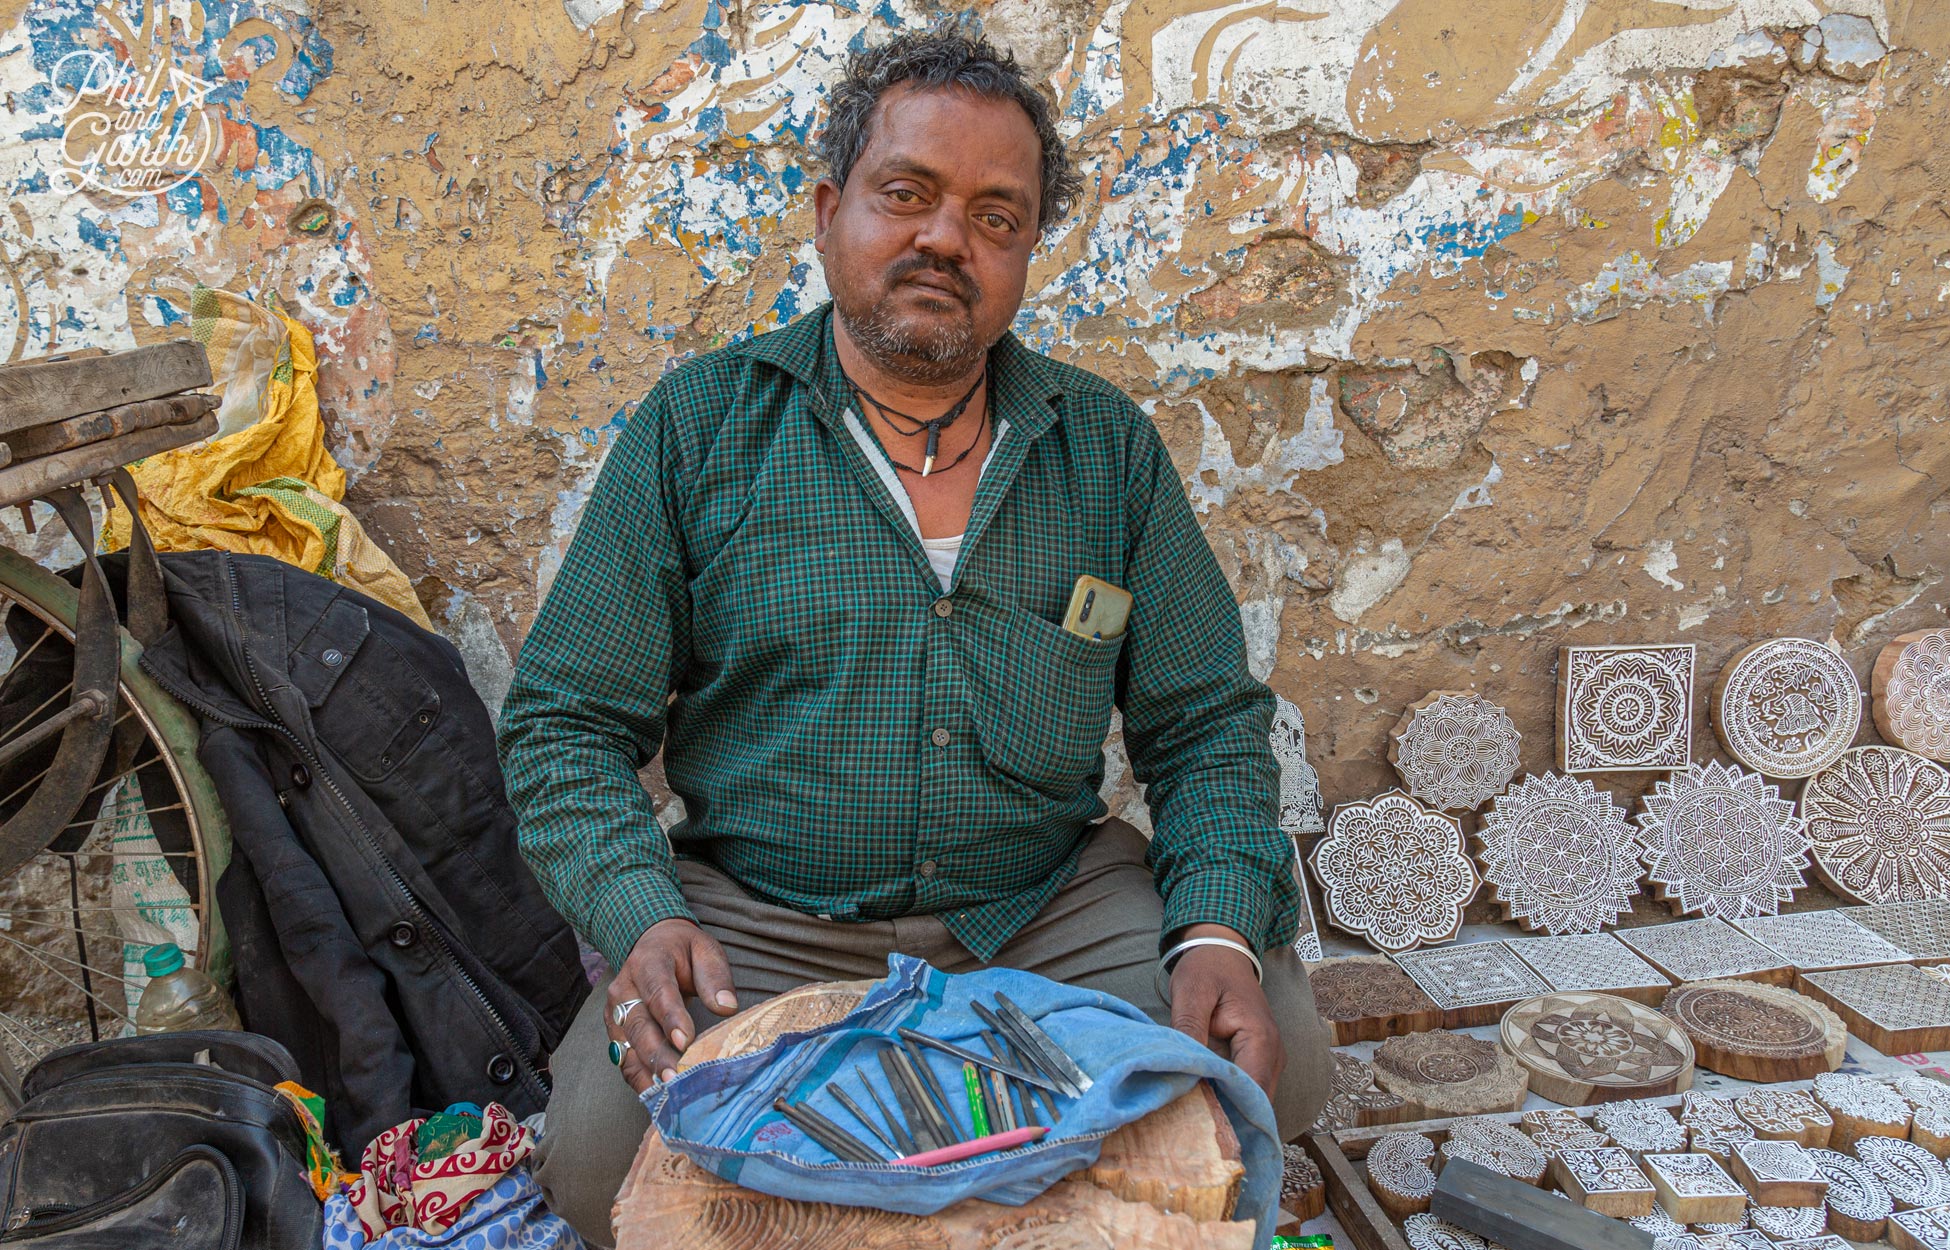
825,571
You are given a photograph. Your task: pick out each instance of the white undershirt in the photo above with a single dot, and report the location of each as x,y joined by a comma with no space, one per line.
942,553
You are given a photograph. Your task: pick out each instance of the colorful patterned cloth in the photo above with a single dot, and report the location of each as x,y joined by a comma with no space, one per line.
321,1162
510,1215
398,1189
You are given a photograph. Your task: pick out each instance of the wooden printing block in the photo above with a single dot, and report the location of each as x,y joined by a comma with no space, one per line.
1303,1190
1759,1033
1858,1206
1641,1128
1496,1145
1742,1239
1401,1173
1929,1100
1474,983
1786,1115
1439,1073
1915,1178
1582,1048
1606,1179
1861,1108
1778,1174
1927,1228
1824,1241
1560,1128
1790,1223
1896,1008
1694,1189
1366,998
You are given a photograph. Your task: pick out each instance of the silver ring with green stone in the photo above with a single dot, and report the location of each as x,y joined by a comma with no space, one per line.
616,1051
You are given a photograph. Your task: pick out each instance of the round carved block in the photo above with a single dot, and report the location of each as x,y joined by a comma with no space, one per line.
1910,692
1560,855
1879,821
1582,1048
1757,1032
1439,1073
1787,707
1455,750
1722,842
1394,872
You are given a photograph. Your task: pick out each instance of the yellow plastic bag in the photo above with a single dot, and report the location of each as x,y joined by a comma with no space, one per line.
264,483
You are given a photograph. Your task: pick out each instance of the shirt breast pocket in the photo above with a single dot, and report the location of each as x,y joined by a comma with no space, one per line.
1043,709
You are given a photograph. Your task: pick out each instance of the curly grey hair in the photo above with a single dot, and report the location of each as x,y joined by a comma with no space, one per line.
932,59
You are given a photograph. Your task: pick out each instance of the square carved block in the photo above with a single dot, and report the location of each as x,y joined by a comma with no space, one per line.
1624,709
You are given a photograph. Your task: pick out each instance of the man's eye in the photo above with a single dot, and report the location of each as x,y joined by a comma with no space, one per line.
898,192
997,221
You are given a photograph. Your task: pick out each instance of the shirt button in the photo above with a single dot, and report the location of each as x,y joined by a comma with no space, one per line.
940,737
943,608
927,868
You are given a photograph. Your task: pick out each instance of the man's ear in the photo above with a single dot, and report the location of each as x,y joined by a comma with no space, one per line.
826,202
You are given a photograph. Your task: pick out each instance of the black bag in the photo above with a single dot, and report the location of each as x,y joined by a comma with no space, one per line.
175,1138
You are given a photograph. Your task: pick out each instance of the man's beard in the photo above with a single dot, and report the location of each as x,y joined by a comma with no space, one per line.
936,353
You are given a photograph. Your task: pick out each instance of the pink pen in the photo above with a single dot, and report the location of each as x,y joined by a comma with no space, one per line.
980,1146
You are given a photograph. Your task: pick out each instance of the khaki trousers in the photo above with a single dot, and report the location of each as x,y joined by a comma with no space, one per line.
1100,931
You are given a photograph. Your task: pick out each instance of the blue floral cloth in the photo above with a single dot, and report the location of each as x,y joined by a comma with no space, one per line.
720,1115
509,1216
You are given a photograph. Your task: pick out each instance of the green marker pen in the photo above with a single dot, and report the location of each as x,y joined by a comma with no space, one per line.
973,1081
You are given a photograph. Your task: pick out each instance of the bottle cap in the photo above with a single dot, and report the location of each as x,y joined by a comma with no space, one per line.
160,961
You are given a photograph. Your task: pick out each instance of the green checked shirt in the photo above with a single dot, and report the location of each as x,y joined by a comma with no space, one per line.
746,593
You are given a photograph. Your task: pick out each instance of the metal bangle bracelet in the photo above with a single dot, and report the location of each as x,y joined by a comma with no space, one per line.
1259,973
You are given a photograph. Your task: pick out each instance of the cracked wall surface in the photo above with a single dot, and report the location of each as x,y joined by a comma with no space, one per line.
1475,330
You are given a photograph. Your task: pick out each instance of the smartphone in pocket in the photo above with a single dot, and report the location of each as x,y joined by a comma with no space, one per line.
1097,609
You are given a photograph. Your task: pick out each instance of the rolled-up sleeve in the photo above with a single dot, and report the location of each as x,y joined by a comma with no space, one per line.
1196,721
586,709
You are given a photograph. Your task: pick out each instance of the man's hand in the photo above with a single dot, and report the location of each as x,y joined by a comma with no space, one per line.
672,959
1217,1001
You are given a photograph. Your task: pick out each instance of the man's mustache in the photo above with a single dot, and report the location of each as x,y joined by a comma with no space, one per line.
964,286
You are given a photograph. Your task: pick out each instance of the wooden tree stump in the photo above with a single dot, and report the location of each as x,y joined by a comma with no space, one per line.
1170,1181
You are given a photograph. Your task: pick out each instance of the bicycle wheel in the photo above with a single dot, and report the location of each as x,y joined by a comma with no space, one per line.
136,866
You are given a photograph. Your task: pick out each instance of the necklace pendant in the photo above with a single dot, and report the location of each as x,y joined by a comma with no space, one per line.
934,445
927,465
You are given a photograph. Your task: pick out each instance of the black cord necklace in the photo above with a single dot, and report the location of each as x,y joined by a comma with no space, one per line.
934,425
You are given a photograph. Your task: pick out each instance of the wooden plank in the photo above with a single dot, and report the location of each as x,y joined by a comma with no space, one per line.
36,477
95,427
1361,1217
1524,1217
40,391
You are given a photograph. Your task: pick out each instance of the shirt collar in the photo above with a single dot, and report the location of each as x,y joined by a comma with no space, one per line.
1026,383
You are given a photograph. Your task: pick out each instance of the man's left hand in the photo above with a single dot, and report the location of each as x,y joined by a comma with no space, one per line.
1217,1000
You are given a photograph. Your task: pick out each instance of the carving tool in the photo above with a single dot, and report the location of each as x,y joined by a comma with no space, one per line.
836,1140
1004,1092
1065,1066
903,1142
940,1122
969,1056
918,1124
853,1108
1027,1054
1029,1094
932,1085
1002,1115
969,1149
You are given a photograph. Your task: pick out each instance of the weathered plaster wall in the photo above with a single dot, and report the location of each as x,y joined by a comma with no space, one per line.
1475,328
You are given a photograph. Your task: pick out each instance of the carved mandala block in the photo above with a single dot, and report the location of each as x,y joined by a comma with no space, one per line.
1394,872
1440,1073
1624,709
1879,820
1787,707
1455,750
1910,691
1757,1032
1721,842
1583,1048
1560,855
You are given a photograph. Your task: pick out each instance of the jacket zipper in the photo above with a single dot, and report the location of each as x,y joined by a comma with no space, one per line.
426,924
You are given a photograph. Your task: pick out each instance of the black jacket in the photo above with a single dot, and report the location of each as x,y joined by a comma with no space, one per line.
384,926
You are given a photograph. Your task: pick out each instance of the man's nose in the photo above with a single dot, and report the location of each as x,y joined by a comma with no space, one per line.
944,233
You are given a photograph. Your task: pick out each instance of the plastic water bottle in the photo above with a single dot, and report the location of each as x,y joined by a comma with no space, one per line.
178,997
